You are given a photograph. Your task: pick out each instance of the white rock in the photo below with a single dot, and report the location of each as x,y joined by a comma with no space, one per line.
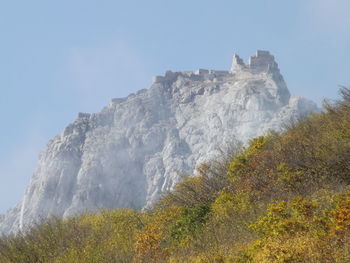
134,149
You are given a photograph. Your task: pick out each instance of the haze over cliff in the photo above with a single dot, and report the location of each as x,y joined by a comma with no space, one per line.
136,147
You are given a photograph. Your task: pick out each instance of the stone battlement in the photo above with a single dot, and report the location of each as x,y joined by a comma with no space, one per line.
83,115
263,61
171,76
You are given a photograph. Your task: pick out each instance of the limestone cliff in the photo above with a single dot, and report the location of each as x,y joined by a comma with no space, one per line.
134,149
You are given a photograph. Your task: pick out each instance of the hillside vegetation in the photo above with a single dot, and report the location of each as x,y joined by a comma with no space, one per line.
283,198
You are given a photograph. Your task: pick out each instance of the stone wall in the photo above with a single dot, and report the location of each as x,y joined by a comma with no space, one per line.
263,61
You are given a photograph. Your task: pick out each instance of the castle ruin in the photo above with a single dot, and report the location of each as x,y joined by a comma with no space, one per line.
262,62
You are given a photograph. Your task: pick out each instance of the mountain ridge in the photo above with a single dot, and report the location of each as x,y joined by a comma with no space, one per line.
133,150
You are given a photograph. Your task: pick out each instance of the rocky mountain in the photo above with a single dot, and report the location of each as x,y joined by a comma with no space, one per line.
136,147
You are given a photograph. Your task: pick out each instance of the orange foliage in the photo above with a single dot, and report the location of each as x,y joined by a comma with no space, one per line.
148,246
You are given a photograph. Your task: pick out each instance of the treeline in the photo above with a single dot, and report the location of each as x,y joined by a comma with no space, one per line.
284,198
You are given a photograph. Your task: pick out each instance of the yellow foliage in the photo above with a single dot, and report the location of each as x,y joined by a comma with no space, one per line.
230,204
299,248
148,246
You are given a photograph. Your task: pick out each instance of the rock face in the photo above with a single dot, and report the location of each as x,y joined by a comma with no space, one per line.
133,150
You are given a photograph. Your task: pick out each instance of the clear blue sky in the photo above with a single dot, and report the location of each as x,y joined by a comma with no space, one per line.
58,58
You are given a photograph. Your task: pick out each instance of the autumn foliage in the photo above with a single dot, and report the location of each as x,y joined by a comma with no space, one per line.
285,197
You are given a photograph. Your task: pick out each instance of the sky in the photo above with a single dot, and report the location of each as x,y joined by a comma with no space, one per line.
58,58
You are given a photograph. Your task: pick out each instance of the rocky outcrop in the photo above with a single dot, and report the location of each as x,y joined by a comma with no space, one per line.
134,149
